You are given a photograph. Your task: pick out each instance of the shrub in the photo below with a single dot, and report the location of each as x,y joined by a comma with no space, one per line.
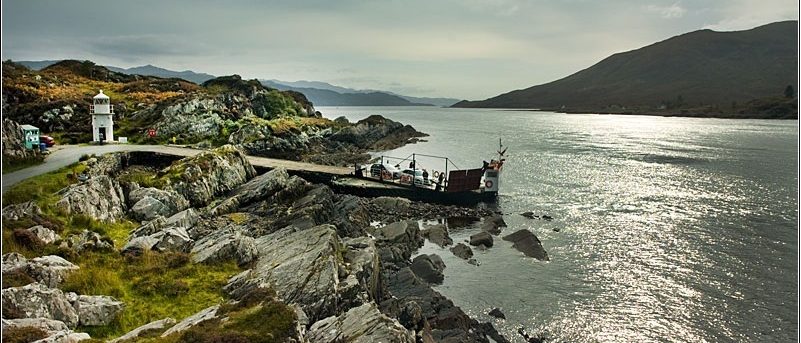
16,278
23,334
28,239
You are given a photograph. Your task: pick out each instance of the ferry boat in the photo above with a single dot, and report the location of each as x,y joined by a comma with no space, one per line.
449,185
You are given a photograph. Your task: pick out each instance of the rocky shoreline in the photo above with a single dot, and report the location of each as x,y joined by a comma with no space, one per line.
330,267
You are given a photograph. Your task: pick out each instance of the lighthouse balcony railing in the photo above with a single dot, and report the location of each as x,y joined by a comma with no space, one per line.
110,108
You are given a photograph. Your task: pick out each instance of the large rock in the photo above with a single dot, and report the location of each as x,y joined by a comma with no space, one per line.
50,326
397,241
44,234
65,337
101,197
195,319
149,203
202,177
363,281
38,301
360,324
462,251
22,210
14,142
149,329
350,217
50,270
378,133
493,224
438,234
391,203
526,242
97,310
225,245
429,268
481,238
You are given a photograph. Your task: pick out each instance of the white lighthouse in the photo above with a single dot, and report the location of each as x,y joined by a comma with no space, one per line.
102,123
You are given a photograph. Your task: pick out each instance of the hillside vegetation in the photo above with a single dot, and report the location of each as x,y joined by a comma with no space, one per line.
702,73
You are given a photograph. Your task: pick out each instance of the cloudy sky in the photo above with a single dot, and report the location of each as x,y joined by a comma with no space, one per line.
470,49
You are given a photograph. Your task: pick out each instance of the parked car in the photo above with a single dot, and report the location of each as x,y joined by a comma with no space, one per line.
47,140
417,176
377,168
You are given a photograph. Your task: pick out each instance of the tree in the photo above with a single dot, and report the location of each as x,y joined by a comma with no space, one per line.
789,92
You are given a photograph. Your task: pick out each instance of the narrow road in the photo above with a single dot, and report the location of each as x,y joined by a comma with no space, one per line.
68,154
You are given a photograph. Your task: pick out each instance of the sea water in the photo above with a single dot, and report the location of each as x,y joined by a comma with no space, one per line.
664,229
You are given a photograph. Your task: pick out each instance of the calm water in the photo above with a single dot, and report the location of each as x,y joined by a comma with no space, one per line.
671,229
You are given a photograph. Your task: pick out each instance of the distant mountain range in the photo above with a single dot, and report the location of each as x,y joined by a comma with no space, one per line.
319,93
701,69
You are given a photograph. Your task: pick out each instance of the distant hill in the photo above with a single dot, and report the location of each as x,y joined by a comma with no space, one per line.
698,70
146,70
326,97
349,99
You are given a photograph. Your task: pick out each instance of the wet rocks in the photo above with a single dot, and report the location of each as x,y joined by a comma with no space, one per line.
359,324
497,313
397,241
481,238
526,242
97,310
100,197
531,215
428,268
493,225
438,234
462,251
38,301
390,204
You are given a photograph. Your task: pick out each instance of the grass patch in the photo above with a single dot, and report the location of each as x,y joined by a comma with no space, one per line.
40,188
10,166
153,286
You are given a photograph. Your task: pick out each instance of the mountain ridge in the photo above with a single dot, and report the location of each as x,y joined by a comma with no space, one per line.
701,72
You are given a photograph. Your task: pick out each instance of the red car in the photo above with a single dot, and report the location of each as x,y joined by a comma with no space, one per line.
47,140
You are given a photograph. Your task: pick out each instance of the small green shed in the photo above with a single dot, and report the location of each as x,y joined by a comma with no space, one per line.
31,134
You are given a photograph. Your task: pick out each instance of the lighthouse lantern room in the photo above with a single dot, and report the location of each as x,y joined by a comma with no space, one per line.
102,123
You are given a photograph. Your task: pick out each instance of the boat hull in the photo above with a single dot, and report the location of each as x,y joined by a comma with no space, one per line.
366,187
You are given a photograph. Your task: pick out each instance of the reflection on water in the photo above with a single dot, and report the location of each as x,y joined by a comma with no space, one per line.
676,229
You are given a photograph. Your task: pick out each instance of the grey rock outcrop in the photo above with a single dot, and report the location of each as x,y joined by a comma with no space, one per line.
88,241
97,310
195,319
149,203
14,142
391,203
225,245
44,234
167,239
363,324
27,209
363,281
101,197
149,329
397,241
526,242
258,188
38,301
208,174
481,238
50,270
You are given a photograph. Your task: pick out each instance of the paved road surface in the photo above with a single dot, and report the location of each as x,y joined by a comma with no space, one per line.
68,154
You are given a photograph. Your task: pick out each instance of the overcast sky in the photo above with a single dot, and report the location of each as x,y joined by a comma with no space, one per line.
469,49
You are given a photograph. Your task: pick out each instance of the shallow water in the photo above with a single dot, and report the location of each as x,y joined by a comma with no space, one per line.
670,229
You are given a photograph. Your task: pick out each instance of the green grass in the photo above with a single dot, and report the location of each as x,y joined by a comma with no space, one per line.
12,166
40,188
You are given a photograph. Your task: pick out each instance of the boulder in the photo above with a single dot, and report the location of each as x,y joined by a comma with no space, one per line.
360,324
195,319
13,141
149,203
350,217
428,268
38,301
88,241
225,245
185,219
259,188
50,270
438,234
362,281
65,337
462,251
202,177
481,238
97,310
50,326
22,210
172,239
14,261
100,197
148,330
44,234
526,242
